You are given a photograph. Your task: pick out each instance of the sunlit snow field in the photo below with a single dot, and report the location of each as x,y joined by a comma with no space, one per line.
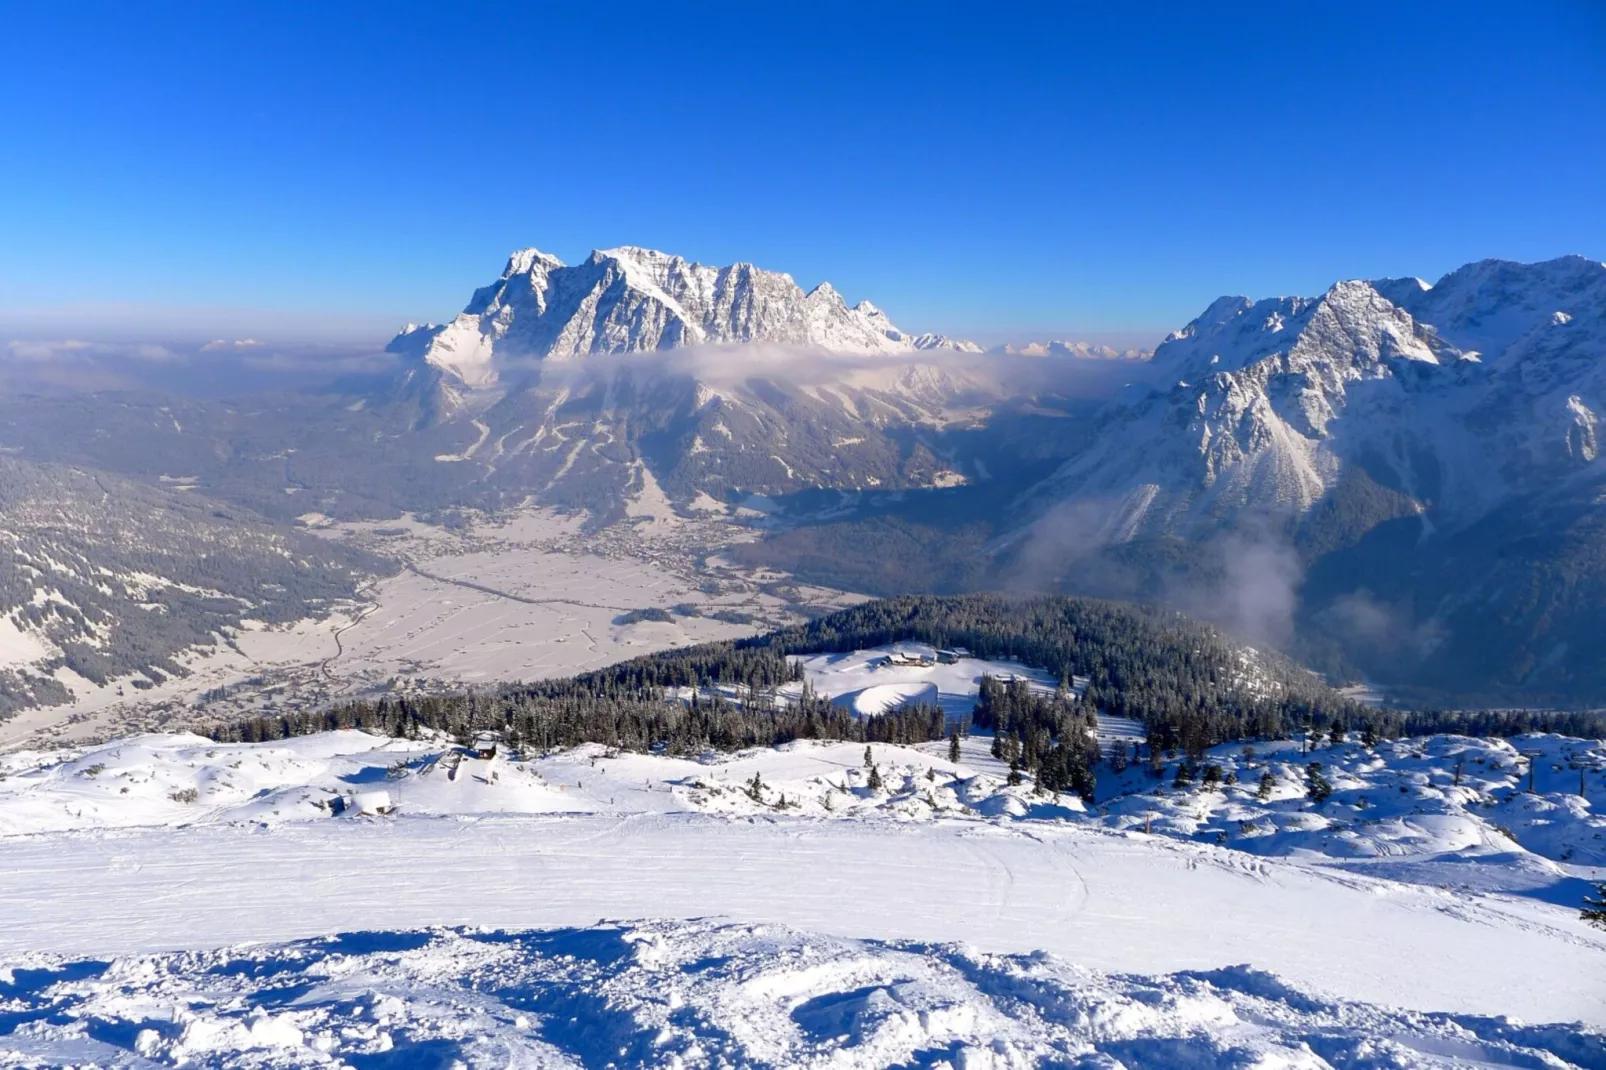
641,909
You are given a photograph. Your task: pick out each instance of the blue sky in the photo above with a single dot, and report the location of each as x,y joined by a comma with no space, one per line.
989,170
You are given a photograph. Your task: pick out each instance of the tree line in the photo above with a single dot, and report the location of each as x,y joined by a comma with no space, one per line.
1189,686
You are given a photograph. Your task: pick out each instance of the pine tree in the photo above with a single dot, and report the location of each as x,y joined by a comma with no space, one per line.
1594,911
869,759
874,783
1184,777
1267,782
755,788
1013,780
1316,785
953,746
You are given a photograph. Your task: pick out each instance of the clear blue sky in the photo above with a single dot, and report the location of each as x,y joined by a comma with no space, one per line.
984,169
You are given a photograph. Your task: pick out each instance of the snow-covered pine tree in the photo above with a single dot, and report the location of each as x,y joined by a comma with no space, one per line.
953,746
1317,787
1267,782
1594,911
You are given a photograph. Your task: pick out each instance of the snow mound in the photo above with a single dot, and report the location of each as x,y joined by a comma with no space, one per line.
695,994
1402,799
884,698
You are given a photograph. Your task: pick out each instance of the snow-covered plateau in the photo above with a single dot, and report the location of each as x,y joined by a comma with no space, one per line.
347,899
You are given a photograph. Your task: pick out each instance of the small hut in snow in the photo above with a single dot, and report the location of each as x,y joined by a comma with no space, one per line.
485,744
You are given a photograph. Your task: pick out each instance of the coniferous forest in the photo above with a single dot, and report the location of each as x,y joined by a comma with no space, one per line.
1187,684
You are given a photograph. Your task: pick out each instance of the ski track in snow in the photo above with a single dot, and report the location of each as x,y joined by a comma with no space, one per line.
1104,900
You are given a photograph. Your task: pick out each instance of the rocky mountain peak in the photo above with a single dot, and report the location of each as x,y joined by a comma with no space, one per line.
630,299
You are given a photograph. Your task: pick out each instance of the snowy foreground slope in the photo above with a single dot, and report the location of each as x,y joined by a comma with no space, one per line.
709,994
948,918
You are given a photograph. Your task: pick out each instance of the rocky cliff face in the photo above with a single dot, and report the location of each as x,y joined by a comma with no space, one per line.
631,300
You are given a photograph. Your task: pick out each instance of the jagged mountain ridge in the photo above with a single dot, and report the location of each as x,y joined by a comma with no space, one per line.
631,300
585,384
1430,452
1264,403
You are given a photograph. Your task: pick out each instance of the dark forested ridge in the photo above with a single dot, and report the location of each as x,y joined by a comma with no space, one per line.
1189,685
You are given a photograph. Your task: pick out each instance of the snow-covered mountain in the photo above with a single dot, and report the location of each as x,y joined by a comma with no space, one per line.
631,300
1455,395
106,582
1069,349
1466,411
738,381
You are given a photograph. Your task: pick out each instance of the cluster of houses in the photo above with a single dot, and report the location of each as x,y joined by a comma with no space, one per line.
903,659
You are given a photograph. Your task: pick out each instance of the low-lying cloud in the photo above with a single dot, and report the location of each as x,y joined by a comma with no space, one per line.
219,366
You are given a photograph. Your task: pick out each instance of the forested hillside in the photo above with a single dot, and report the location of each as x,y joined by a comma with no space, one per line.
1189,684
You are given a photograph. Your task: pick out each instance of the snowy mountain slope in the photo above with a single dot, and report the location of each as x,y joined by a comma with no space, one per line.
631,300
1254,413
1424,458
1265,404
696,994
723,381
1428,800
105,579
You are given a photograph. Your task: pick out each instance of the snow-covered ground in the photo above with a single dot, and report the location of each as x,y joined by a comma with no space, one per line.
870,682
699,993
149,845
169,900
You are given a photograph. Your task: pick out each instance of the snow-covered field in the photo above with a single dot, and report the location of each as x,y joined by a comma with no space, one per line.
809,920
868,681
350,900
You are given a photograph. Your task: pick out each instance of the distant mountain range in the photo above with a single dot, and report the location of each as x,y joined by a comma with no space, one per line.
1391,479
632,300
1431,453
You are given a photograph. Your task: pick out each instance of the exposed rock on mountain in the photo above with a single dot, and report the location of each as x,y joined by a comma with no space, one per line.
1429,452
631,300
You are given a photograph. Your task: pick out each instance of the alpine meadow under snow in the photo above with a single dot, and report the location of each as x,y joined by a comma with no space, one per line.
610,677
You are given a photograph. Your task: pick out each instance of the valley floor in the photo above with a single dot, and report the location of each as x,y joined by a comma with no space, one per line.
523,596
